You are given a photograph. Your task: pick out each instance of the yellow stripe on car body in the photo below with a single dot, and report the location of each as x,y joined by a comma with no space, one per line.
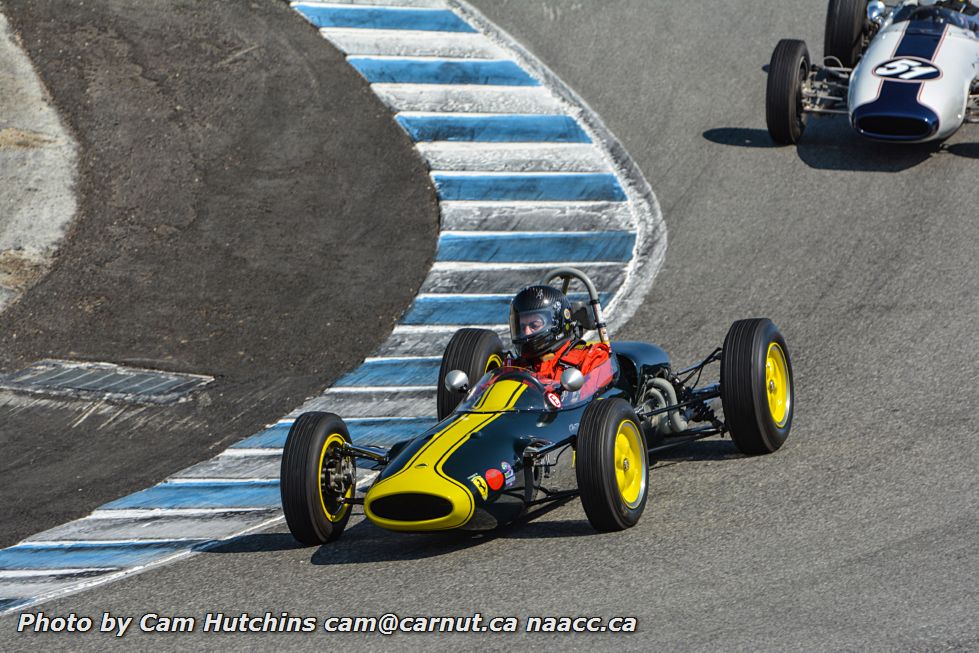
423,473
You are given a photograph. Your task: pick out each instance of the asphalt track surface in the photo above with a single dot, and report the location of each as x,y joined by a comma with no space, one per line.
231,177
860,534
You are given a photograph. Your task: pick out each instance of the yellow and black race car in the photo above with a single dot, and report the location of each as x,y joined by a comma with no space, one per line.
511,442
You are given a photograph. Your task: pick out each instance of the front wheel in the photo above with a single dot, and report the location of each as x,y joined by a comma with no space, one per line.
475,352
757,390
846,24
316,479
787,75
612,465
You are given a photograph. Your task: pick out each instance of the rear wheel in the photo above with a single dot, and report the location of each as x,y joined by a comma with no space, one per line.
787,74
612,465
846,23
757,390
475,352
315,478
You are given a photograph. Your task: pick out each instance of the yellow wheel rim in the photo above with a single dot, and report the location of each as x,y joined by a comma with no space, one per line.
334,513
493,362
778,384
630,468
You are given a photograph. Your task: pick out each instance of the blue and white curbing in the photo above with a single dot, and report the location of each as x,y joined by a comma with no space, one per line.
528,178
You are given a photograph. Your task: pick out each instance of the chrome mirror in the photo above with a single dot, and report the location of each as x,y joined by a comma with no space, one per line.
456,381
572,379
875,11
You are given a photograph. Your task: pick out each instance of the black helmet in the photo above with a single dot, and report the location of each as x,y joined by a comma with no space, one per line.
540,320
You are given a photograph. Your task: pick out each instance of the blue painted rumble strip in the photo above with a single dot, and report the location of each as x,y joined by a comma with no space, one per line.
457,310
363,429
523,187
273,437
393,373
515,128
247,494
460,309
76,555
536,248
385,432
441,71
430,20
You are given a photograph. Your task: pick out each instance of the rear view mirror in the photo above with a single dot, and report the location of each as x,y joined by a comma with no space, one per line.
572,379
456,381
875,11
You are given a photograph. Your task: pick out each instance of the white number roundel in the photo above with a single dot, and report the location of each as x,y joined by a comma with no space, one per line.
907,70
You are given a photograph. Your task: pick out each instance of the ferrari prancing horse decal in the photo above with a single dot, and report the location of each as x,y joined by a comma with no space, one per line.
480,484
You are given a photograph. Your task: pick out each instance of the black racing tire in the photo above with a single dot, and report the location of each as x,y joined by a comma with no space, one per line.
757,388
787,73
475,352
846,23
311,507
612,465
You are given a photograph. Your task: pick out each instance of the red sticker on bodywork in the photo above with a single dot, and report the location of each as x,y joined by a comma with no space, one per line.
494,478
554,399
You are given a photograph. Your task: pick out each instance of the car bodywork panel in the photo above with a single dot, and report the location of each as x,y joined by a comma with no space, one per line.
914,80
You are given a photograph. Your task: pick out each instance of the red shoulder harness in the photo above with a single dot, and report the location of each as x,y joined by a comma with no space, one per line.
585,357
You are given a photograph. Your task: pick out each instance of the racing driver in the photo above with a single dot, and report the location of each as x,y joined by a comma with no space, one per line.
545,340
967,7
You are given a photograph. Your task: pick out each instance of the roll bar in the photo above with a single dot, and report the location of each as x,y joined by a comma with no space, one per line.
566,275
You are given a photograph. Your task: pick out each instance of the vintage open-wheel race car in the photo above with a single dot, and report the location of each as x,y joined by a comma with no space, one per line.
906,72
506,442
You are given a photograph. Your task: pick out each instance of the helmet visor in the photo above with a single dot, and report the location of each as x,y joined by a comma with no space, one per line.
530,323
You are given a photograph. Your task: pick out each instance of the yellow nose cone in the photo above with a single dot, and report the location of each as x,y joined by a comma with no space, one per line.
420,499
421,496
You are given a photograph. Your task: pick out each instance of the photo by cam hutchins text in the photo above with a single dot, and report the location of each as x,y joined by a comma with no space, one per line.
387,624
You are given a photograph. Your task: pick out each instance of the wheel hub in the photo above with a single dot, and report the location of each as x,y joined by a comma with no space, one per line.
631,479
336,479
778,384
